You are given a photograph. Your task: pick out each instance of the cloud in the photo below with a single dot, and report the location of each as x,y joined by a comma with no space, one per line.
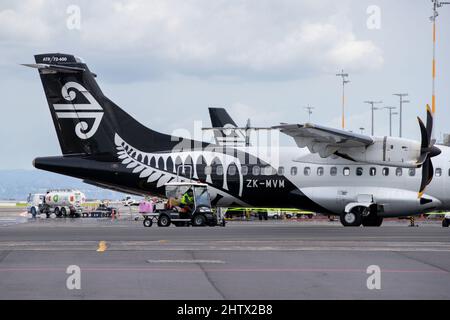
238,39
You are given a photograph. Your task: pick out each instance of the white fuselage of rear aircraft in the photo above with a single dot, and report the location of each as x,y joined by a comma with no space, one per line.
334,183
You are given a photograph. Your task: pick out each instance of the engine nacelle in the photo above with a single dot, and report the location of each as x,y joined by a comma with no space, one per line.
388,151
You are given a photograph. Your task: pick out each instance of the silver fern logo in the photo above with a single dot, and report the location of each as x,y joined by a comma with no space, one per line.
82,111
154,168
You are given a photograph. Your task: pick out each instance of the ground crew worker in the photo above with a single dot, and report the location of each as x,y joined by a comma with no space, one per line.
187,200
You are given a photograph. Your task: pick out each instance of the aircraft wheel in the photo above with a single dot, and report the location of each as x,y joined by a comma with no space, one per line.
379,222
372,221
352,218
33,212
445,223
64,212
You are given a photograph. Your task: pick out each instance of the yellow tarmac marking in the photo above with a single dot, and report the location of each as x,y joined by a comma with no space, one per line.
163,241
102,246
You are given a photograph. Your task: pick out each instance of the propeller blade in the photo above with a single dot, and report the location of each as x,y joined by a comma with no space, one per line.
428,150
429,124
424,135
427,175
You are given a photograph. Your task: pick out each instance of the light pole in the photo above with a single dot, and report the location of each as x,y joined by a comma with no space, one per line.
436,4
401,96
310,111
344,77
373,108
390,118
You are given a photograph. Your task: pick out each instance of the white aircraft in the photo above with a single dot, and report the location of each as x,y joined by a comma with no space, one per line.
360,178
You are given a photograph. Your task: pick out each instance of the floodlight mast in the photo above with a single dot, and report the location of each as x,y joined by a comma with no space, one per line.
402,101
436,4
373,108
309,109
390,118
344,77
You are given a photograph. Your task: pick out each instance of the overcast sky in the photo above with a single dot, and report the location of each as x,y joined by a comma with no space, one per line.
165,62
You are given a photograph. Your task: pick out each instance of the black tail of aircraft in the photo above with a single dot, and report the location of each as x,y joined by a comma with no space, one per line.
85,120
220,118
88,125
224,133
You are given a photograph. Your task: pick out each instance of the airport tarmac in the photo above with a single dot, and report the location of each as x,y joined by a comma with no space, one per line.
269,260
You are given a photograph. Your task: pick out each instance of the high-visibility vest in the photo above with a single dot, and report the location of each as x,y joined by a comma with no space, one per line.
186,199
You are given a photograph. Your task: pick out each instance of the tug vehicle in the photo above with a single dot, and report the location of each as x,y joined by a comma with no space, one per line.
197,213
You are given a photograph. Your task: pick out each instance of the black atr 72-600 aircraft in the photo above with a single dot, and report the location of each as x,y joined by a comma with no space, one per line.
360,178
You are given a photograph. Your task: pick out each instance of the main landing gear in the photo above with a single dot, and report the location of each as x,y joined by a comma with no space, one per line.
361,216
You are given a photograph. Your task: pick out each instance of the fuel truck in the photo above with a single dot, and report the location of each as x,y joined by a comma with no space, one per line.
62,202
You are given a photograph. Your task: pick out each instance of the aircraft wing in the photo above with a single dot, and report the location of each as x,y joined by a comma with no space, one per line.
323,140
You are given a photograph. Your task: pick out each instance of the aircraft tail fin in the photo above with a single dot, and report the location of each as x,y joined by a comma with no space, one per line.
86,121
227,132
220,118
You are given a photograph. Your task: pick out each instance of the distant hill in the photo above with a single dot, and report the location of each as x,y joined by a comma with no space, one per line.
17,184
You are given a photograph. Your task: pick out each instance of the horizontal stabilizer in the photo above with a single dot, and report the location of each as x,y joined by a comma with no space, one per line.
54,68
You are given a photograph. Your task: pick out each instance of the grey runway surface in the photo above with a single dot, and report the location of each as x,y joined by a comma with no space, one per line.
245,260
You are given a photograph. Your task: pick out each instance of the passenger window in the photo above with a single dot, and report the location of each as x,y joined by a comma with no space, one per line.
359,171
385,172
244,170
373,171
256,170
307,171
399,172
269,171
412,172
346,171
293,171
219,170
232,170
320,171
333,171
208,170
281,171
438,172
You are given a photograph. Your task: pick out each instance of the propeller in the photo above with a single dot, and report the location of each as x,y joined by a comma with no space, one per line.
427,151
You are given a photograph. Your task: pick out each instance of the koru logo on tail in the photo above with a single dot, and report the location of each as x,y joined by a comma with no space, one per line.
91,110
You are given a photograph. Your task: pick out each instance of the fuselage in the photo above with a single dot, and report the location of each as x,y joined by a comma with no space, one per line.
299,180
